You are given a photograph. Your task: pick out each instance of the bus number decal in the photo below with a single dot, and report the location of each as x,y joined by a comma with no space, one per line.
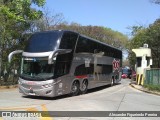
116,64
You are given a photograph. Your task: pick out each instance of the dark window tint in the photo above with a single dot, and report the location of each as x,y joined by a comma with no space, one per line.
93,46
111,52
82,70
68,41
90,46
148,60
62,68
42,42
82,45
63,64
86,45
139,59
104,69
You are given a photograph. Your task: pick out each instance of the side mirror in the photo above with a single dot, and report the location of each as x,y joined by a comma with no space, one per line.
12,53
56,52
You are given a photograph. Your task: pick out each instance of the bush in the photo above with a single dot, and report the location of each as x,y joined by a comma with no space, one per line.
152,87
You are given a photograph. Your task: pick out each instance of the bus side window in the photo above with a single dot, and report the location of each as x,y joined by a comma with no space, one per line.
68,41
81,44
82,70
63,64
62,68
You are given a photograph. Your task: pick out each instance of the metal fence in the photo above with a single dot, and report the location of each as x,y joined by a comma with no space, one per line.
152,76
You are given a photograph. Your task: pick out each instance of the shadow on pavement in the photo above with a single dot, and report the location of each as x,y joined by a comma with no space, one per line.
68,95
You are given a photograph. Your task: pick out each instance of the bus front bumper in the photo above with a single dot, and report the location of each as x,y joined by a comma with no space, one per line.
45,92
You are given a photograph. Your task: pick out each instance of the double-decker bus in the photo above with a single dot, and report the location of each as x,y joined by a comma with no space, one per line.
62,62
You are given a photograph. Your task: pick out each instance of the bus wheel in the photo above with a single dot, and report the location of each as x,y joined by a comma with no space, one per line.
75,88
84,87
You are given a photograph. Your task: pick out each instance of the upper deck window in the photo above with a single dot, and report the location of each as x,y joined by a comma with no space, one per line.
68,40
43,42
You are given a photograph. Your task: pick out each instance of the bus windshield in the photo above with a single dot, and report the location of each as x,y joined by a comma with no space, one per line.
36,69
42,42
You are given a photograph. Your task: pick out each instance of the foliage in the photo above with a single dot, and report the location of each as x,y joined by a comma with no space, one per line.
49,18
156,1
152,87
15,17
151,36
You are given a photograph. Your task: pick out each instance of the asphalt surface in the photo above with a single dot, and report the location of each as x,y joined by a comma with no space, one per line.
121,97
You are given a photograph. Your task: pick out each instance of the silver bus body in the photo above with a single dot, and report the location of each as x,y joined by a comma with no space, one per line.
72,67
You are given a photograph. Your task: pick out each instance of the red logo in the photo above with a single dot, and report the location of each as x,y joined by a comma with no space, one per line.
30,83
116,64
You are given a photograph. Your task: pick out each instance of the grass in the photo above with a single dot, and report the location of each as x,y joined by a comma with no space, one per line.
152,87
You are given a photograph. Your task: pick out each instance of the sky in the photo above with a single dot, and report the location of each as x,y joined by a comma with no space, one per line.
115,14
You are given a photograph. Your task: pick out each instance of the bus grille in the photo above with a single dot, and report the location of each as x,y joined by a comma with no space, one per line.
26,86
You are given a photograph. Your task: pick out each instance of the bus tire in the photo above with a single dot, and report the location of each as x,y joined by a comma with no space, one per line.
75,88
84,87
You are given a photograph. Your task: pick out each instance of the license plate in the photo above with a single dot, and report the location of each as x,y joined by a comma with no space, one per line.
32,94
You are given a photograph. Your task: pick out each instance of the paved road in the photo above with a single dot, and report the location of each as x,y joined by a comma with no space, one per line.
120,97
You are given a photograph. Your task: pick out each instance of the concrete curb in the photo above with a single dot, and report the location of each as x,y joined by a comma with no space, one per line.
8,87
138,87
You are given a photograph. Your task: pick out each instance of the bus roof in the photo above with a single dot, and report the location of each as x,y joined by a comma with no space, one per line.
61,31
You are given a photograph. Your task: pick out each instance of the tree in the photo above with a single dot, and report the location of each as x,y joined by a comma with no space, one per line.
156,1
15,17
139,38
151,36
153,39
49,18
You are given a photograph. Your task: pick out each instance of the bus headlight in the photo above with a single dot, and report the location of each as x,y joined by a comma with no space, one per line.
48,85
